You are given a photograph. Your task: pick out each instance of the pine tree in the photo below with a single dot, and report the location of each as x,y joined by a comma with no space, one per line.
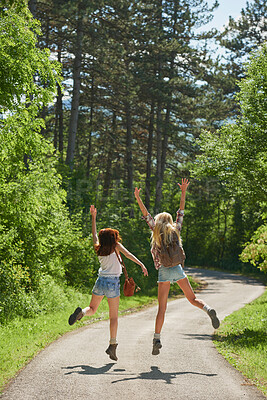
245,34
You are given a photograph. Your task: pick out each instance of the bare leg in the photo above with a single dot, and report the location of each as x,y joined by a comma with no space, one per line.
94,304
79,313
189,293
113,316
163,291
113,304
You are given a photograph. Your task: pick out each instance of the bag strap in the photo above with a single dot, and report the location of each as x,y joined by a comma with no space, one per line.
123,265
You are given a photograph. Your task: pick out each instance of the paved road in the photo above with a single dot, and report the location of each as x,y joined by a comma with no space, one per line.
188,367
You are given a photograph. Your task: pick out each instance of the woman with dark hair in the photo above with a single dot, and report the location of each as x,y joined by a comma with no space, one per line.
107,246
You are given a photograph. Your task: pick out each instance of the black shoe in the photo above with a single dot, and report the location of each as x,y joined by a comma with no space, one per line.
214,319
77,315
111,351
156,346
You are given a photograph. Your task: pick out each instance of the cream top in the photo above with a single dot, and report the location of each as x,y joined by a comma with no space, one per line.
109,265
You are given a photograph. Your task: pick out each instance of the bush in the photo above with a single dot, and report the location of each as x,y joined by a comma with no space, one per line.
255,251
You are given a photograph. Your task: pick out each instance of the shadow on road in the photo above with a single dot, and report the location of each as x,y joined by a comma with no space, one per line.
197,336
87,370
154,374
199,272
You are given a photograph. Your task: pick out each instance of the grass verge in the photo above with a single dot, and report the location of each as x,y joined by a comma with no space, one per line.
23,338
242,340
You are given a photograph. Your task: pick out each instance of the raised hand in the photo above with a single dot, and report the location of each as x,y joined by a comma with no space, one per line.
184,185
93,211
137,193
140,203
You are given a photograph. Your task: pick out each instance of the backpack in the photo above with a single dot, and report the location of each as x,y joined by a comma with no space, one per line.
173,254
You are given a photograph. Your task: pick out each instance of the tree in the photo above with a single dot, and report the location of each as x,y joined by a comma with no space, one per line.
236,154
248,32
255,250
77,67
245,34
18,46
37,237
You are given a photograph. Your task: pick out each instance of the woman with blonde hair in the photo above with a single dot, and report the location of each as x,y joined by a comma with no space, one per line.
107,246
164,233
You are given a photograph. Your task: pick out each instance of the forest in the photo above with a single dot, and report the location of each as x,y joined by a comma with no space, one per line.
99,97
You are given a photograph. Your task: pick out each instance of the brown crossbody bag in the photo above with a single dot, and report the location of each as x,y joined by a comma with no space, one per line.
129,286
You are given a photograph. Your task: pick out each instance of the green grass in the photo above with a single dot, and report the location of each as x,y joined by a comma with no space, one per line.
242,340
22,338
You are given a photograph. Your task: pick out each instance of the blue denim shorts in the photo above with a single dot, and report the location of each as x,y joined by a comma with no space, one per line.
172,274
107,286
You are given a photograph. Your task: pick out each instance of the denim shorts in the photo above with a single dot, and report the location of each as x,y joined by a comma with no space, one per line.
107,286
172,274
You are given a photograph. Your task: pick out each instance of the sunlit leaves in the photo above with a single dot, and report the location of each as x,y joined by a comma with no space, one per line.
26,73
255,251
236,154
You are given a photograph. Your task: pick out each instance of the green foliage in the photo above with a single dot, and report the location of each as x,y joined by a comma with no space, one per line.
37,236
26,73
40,246
236,155
252,97
131,69
247,32
255,251
25,337
242,340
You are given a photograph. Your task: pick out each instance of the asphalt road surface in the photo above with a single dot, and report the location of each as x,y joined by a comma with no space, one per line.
187,368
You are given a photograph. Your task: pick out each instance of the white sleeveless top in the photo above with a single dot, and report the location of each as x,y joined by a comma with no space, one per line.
109,265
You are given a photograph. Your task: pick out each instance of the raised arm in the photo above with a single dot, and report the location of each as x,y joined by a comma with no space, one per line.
183,186
139,201
131,257
93,212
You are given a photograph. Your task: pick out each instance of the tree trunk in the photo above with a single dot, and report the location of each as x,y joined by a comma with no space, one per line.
32,4
159,154
165,141
159,121
166,133
163,146
162,155
110,154
76,91
88,158
58,135
60,122
129,155
149,155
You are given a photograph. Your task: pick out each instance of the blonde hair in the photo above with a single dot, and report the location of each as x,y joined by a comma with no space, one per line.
164,229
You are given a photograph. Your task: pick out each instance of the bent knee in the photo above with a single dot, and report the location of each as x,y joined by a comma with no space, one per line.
192,300
93,310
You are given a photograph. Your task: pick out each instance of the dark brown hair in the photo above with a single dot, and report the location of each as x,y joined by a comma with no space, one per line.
108,238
